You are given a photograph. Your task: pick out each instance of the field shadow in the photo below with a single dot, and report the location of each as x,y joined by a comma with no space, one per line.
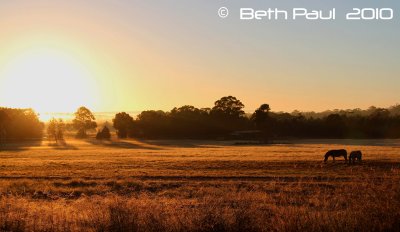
379,164
372,165
62,145
123,144
185,143
20,145
354,142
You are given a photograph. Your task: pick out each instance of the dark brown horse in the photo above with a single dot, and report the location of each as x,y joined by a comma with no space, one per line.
336,153
355,155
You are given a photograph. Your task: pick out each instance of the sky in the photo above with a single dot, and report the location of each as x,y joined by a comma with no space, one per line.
131,55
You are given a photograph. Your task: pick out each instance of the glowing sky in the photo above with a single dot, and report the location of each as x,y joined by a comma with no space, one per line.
134,55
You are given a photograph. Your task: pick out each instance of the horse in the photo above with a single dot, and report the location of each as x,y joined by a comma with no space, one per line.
336,153
355,155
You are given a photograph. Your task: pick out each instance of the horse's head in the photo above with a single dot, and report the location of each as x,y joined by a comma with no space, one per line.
326,156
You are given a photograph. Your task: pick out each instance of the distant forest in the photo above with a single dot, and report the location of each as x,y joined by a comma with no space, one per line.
225,120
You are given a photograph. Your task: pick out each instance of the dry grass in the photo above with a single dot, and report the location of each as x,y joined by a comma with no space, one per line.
198,186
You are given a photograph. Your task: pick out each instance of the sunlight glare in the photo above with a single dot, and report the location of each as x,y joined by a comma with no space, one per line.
47,81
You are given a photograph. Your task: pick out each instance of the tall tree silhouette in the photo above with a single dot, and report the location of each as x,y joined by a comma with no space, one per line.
123,123
228,115
84,120
55,130
261,115
263,121
228,107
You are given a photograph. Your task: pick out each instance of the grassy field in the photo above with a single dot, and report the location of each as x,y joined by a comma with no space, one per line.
130,185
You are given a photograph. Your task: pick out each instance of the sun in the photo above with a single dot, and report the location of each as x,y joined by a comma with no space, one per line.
46,80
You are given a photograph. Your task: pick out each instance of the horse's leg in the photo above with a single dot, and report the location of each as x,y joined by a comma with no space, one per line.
333,158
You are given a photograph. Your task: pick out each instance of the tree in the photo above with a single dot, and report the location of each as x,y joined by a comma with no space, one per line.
84,120
335,126
22,124
52,129
227,115
228,107
262,120
188,122
60,130
153,124
122,123
55,130
3,120
104,133
261,116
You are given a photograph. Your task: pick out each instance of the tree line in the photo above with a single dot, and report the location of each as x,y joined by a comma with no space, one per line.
225,120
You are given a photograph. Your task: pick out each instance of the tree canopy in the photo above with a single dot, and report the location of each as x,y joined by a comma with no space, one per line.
55,130
122,123
228,108
227,118
20,124
84,120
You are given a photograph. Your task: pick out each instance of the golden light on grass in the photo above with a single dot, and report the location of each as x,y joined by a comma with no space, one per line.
132,185
47,80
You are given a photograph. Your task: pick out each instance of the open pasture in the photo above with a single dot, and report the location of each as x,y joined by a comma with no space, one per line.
131,185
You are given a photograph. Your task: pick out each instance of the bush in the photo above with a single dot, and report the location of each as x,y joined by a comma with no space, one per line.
104,134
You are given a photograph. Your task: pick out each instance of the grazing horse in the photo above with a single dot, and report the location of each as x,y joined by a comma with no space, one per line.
355,155
336,153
